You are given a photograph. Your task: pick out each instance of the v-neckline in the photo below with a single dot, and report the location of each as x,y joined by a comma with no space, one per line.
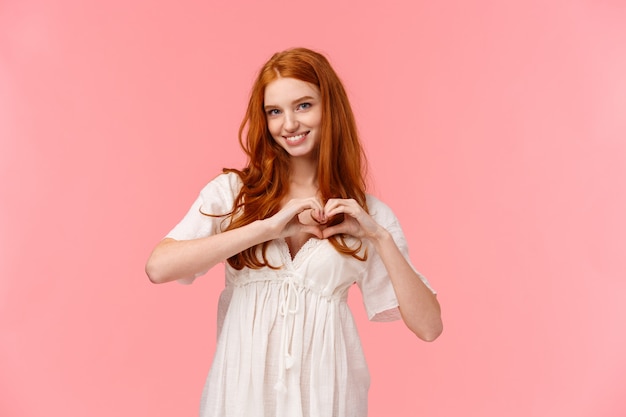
301,253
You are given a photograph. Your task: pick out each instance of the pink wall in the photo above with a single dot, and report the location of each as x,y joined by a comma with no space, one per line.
496,132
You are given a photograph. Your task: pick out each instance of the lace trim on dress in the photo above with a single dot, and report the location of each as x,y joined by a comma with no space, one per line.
302,253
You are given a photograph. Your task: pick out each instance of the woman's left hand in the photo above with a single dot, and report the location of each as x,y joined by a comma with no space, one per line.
419,307
357,222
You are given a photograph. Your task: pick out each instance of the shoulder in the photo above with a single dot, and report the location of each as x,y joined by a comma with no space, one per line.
226,183
384,216
221,190
380,211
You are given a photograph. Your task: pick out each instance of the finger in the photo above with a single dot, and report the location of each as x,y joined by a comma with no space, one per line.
332,207
314,230
332,203
331,231
313,204
310,217
337,230
316,201
297,206
318,216
338,208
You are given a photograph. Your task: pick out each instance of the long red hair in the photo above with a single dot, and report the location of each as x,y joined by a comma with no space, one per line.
341,161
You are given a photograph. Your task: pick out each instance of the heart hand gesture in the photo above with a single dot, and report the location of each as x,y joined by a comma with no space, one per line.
356,221
298,215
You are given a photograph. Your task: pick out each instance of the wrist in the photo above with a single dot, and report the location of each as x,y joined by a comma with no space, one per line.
267,229
380,236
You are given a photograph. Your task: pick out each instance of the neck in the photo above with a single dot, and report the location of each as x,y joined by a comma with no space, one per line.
303,171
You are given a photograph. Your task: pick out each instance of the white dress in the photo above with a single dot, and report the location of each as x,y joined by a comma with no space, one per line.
287,345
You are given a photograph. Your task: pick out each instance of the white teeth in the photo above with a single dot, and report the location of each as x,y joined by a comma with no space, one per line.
296,138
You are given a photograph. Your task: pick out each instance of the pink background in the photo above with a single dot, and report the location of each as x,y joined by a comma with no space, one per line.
496,131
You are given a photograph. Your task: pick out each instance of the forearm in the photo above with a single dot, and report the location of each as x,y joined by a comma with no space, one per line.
178,259
419,307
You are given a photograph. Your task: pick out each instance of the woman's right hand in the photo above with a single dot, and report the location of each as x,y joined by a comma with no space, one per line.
292,218
185,259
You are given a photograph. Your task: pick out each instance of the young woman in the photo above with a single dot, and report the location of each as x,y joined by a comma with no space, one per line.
297,230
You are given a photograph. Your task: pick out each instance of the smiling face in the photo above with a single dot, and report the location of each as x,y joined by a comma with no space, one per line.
293,110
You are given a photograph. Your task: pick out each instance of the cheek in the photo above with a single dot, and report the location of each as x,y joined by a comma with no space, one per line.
273,125
315,119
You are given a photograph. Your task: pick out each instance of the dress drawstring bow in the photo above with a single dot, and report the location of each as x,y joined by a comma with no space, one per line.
289,305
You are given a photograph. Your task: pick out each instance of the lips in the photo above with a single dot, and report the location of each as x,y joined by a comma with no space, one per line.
296,139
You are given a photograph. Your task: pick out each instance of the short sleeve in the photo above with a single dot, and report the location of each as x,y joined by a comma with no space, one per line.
379,298
208,213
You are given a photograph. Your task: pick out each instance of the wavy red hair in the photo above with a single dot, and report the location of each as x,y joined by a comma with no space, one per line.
341,161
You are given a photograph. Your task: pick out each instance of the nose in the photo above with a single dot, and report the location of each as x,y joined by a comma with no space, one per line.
291,122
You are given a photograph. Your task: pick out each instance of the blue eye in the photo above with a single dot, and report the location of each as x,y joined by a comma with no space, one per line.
273,112
304,106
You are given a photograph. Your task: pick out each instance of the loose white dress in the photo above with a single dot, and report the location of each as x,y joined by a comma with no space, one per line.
287,345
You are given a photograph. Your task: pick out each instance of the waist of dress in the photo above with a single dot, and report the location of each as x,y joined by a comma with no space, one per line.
295,282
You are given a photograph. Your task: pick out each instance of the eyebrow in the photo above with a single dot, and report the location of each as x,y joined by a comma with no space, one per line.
301,99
